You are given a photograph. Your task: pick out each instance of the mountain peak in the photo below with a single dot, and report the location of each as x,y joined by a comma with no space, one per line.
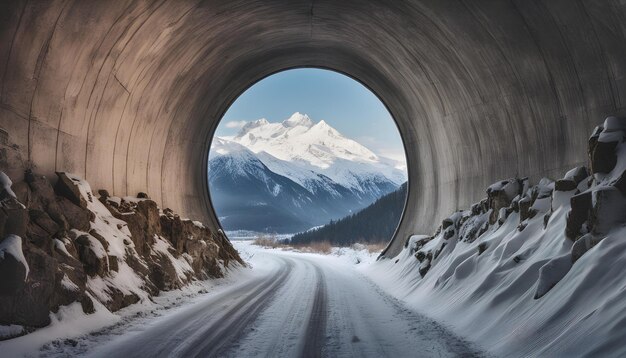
251,125
298,119
323,125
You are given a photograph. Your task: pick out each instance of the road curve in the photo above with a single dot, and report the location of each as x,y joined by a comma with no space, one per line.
207,328
304,306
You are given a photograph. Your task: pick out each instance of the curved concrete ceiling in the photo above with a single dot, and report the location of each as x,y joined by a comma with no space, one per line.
128,93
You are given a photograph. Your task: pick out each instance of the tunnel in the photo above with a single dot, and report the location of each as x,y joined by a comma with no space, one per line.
128,93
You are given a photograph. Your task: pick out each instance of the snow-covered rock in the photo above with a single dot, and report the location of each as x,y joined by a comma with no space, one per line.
542,278
70,247
13,265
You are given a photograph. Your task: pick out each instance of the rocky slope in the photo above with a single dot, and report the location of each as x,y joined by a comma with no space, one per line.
532,269
65,244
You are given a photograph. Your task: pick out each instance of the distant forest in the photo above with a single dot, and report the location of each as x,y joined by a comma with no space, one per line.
374,224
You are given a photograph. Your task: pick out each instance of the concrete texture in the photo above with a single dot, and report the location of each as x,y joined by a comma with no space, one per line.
128,93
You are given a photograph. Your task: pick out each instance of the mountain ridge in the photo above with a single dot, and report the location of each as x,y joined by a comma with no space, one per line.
304,172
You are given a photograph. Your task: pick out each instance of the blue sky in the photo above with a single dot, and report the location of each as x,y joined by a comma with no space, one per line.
342,102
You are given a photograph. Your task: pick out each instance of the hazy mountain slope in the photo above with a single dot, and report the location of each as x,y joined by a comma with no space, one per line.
374,224
291,176
249,196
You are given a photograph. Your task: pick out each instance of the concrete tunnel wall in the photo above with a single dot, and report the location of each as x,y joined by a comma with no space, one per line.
128,93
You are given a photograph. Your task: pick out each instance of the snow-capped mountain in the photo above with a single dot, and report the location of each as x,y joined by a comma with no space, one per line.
318,147
290,176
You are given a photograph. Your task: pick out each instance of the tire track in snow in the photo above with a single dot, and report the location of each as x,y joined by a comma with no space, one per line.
315,338
238,317
204,329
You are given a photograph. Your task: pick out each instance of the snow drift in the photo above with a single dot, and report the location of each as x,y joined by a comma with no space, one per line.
532,270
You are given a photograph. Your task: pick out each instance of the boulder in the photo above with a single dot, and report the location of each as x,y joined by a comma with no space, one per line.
77,217
603,143
12,274
603,157
43,198
31,305
577,174
565,185
525,211
150,212
93,255
114,263
39,235
416,242
482,247
609,210
500,196
592,142
40,191
119,299
42,220
142,219
578,214
104,194
582,245
68,188
163,273
13,220
449,233
426,264
420,256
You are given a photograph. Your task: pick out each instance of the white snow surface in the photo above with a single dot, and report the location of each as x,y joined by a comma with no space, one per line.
71,325
524,296
490,299
303,151
274,308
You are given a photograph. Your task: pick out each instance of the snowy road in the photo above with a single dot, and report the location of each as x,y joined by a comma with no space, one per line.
295,305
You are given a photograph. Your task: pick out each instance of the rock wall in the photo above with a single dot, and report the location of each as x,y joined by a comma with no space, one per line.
65,244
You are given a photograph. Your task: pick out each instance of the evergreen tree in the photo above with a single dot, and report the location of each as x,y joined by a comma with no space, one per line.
374,224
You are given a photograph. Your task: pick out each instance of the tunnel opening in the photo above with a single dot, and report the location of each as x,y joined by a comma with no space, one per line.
308,155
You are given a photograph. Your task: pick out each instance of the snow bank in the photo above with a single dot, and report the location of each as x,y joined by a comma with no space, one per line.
70,321
543,277
355,254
